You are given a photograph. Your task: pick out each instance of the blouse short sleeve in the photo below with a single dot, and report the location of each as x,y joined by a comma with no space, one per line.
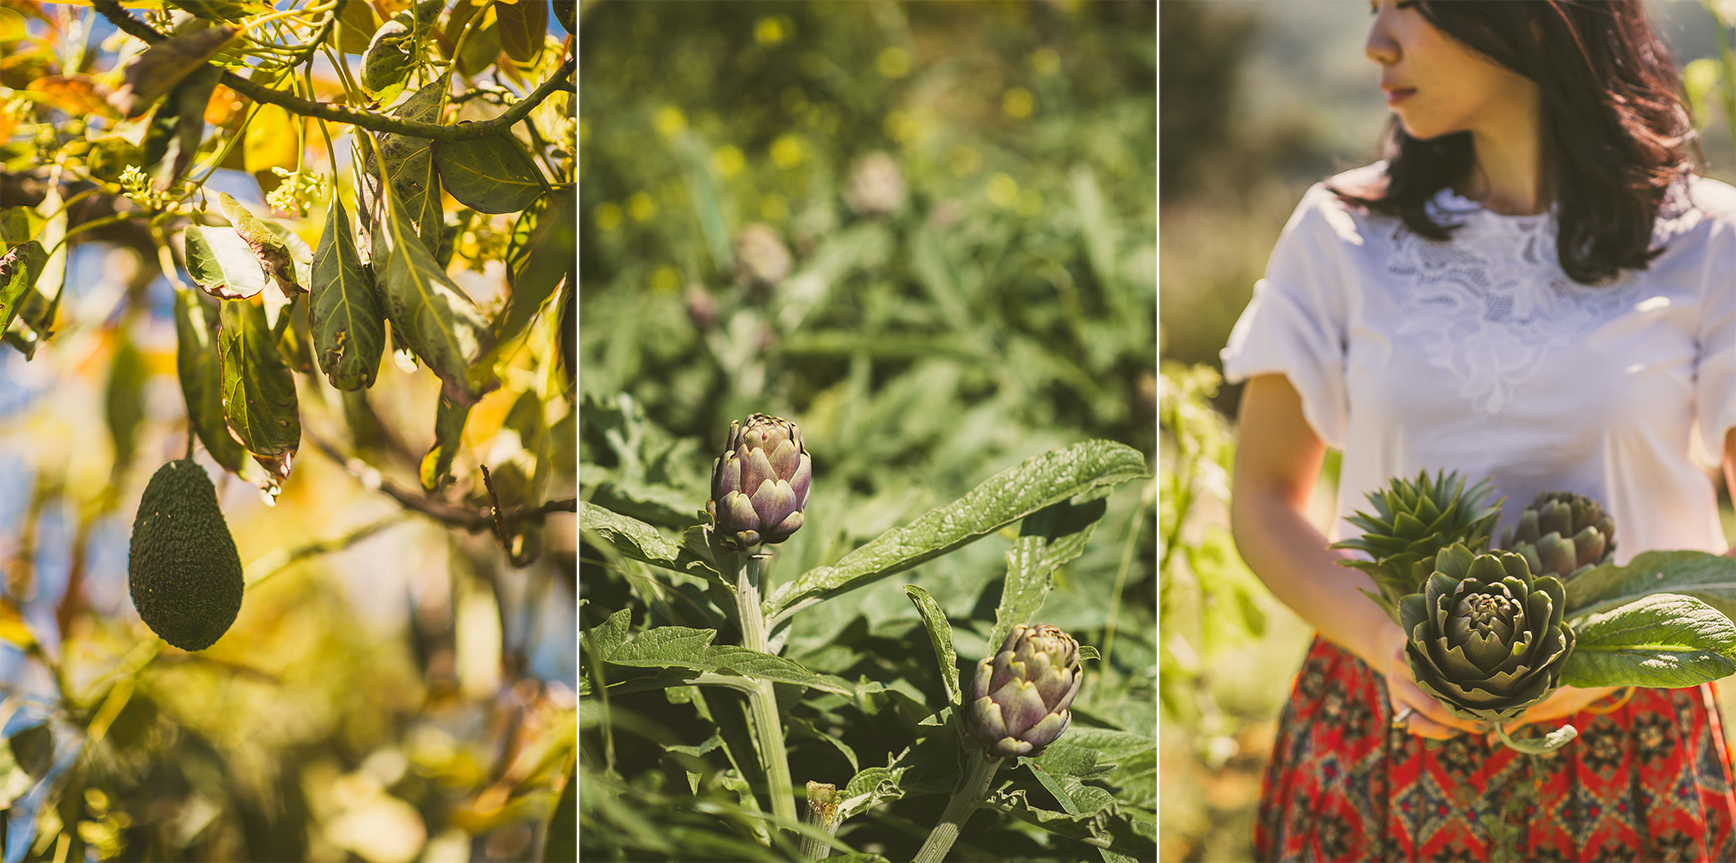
1295,324
1715,378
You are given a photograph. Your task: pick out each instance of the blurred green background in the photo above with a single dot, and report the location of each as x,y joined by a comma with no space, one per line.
926,233
1259,100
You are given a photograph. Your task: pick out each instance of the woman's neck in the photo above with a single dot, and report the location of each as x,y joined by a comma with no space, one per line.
1507,174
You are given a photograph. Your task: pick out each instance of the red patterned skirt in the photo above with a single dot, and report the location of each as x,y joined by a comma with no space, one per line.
1649,780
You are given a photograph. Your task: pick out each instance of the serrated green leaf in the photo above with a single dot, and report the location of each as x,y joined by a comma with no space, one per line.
349,327
490,174
1711,578
221,263
439,322
19,270
609,635
202,381
1663,640
1047,539
1006,497
1120,829
870,788
940,637
449,418
682,647
639,541
665,647
268,248
259,401
523,27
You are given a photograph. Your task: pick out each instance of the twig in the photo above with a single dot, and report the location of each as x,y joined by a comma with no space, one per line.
372,120
278,560
439,510
494,504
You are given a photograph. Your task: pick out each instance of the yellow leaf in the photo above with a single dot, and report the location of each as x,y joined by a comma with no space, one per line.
273,140
12,626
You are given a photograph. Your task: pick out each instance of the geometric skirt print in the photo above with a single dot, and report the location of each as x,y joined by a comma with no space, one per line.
1648,780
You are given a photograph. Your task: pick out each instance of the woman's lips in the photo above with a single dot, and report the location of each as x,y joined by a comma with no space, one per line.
1393,97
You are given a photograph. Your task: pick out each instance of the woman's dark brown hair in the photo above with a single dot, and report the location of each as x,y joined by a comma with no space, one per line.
1615,130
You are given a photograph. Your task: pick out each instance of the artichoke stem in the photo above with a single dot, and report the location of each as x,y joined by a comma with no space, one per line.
762,700
964,801
823,800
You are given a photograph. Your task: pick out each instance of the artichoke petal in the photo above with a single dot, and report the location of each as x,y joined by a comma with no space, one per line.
1024,709
979,684
1045,732
987,716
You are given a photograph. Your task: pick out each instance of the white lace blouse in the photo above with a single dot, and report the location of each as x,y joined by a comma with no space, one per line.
1478,354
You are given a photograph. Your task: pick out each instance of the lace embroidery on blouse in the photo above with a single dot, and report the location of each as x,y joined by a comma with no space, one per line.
1490,304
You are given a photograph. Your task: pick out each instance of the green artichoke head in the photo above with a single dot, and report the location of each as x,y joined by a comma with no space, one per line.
1563,534
1486,637
1018,701
1412,521
759,486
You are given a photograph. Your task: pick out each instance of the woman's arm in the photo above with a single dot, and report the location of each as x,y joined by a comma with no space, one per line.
1278,456
1730,473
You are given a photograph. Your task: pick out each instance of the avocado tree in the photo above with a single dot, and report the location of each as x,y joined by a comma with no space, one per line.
286,429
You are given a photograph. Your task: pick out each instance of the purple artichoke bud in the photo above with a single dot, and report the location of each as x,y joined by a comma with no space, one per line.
759,486
1018,701
1563,534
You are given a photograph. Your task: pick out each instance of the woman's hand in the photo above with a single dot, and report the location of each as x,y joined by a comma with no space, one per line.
1426,716
1562,703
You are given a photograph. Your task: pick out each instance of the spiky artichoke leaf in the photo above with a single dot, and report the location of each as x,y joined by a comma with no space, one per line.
1386,605
1429,512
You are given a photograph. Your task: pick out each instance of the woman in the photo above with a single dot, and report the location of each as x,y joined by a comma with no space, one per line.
1532,288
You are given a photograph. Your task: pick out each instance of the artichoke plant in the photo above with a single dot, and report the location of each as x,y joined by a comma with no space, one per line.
759,486
1486,637
1562,533
1019,699
1412,521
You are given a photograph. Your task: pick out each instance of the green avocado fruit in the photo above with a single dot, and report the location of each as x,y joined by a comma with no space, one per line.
184,571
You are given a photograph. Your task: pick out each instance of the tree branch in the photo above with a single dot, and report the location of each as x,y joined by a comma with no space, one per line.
474,521
372,120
